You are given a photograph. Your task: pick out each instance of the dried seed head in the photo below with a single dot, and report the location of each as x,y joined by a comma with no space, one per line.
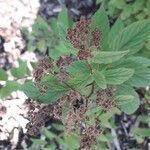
45,63
64,61
106,105
84,54
105,98
37,74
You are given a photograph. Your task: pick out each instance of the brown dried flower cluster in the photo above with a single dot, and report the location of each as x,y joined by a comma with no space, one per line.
45,65
82,38
62,63
38,116
88,137
105,99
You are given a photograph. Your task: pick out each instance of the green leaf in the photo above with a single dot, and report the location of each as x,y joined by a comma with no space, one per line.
54,27
40,24
48,134
3,75
118,76
120,4
144,119
136,62
78,67
103,138
42,45
63,18
72,141
51,96
80,81
10,87
59,50
55,89
100,20
100,79
115,30
137,6
131,37
141,78
63,23
133,105
30,90
107,57
38,141
124,100
21,71
126,13
143,132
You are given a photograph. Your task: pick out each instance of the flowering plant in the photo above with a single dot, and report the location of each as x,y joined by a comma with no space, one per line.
91,75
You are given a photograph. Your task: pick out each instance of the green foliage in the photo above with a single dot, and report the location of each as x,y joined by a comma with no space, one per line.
21,71
129,12
118,76
100,79
13,85
107,57
115,66
3,75
10,87
132,97
42,37
132,37
30,90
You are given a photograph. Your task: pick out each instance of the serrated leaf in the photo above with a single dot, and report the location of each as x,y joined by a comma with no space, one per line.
126,13
63,18
124,100
115,30
134,104
137,6
51,96
10,87
3,75
131,37
21,71
100,80
50,135
59,50
141,78
63,23
38,141
30,90
118,76
78,67
136,62
41,45
107,57
40,24
80,81
143,132
100,20
72,141
144,119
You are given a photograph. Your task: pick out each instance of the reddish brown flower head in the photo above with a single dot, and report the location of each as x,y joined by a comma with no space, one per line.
82,38
84,54
65,61
96,37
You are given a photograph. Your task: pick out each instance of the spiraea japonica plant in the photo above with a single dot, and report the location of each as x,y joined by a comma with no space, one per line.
91,75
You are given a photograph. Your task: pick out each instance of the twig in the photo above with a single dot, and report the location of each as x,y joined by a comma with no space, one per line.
92,89
115,140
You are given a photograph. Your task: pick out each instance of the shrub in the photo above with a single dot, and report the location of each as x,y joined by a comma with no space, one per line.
91,74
